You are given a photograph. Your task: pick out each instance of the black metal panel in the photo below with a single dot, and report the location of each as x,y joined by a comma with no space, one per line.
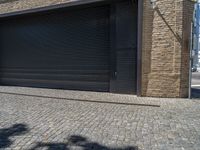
125,45
64,49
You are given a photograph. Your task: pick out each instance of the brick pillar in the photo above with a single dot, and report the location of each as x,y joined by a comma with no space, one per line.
165,52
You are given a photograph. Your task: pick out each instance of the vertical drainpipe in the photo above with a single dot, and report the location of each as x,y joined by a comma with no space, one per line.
190,67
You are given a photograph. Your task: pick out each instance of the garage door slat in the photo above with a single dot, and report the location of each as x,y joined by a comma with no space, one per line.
61,49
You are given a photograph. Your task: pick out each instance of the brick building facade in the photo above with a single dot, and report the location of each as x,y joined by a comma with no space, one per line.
163,44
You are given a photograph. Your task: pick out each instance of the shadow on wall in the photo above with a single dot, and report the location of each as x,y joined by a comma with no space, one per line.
178,38
6,133
79,142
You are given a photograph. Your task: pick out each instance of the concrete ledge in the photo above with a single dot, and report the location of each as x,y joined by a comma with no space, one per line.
97,97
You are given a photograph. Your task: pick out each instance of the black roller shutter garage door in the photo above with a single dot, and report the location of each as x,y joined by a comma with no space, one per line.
67,49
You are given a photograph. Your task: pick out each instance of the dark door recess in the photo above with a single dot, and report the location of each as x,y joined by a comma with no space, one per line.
124,47
81,48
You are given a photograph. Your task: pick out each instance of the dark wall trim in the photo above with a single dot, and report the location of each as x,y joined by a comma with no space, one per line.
113,41
57,6
139,48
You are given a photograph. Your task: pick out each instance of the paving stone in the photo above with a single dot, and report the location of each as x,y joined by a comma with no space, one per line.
46,120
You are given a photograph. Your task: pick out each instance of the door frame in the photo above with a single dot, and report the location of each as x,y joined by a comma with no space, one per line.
139,47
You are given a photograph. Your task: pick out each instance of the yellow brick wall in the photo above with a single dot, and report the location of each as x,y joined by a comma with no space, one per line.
165,53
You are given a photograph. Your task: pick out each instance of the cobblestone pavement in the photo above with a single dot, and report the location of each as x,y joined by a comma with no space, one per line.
34,119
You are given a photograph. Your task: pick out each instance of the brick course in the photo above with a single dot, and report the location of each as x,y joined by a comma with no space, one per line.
8,6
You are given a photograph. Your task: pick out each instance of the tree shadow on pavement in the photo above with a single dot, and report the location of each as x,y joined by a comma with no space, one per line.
50,146
6,133
77,141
